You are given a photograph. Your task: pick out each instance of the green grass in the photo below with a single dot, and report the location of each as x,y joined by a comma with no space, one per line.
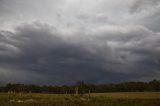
99,99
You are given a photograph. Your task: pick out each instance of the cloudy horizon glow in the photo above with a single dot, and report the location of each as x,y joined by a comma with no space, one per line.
64,41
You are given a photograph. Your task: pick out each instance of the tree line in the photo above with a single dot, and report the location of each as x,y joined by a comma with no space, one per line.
82,87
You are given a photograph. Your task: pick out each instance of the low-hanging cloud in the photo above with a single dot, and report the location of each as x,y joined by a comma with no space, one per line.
105,54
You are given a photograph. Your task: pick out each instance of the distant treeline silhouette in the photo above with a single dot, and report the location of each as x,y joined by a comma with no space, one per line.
82,87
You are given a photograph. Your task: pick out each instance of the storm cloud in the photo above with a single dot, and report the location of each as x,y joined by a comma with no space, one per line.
61,42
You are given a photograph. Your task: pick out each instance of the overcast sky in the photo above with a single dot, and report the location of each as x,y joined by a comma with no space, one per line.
63,41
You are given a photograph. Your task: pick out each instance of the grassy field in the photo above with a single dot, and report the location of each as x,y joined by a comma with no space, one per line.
99,99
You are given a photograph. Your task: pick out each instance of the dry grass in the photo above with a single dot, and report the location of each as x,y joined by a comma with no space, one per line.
96,99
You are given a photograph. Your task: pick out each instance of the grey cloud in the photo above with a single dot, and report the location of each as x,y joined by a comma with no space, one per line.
152,21
139,5
147,13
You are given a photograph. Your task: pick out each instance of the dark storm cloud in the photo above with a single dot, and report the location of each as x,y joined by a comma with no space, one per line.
43,52
39,53
64,41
